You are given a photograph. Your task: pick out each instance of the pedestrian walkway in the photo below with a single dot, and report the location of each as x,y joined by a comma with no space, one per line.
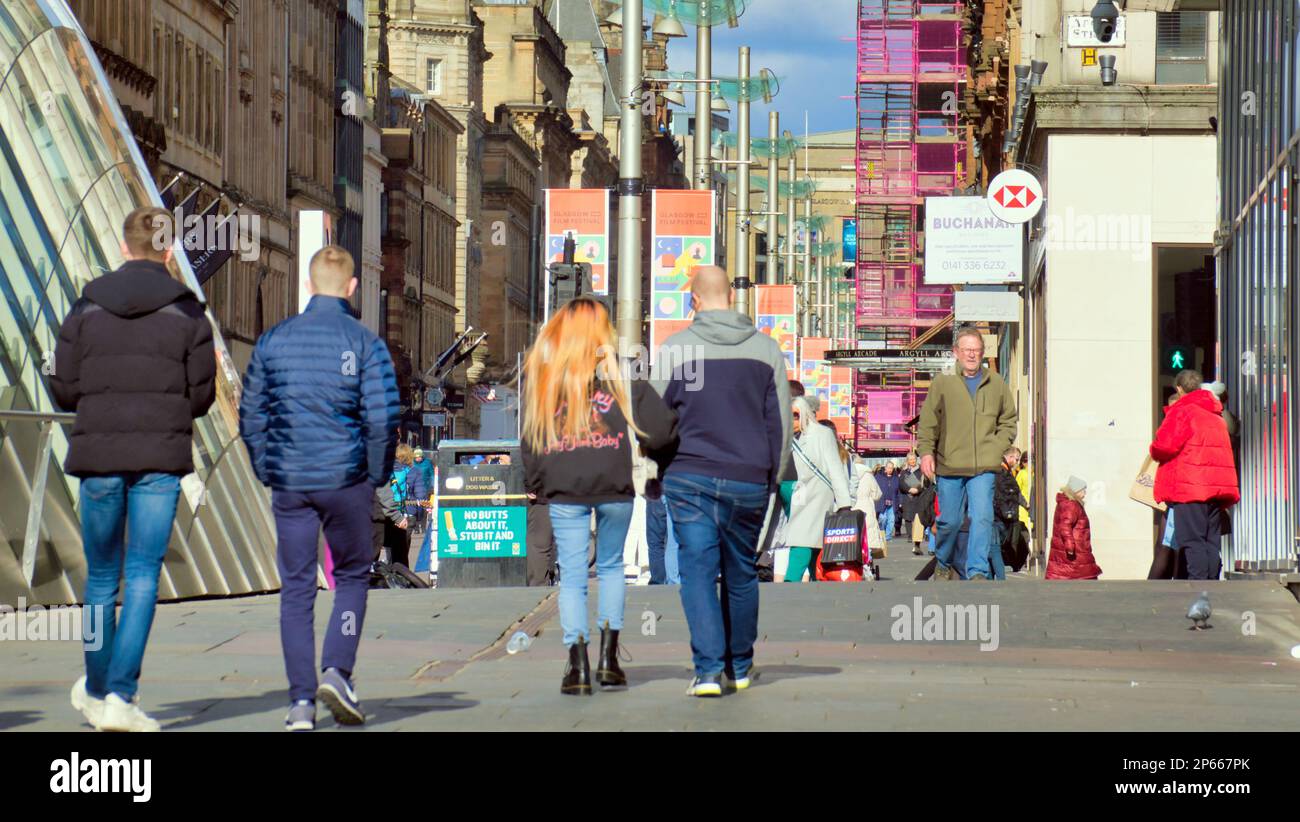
1079,655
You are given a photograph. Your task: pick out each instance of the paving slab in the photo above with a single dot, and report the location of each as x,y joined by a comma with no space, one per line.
1069,656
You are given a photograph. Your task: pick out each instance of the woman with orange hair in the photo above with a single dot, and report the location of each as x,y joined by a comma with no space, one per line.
581,416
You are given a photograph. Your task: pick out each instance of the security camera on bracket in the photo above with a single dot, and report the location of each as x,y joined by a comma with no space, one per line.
1105,17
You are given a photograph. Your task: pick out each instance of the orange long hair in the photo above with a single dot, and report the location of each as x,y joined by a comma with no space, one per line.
574,354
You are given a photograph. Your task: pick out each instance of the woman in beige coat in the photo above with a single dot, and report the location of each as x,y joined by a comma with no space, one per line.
823,487
868,493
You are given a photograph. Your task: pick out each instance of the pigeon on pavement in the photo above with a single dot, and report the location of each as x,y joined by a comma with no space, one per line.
1200,612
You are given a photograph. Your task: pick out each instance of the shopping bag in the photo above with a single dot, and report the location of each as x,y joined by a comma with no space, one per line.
1144,486
918,530
842,537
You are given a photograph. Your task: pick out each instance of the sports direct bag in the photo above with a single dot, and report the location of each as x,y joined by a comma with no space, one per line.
842,537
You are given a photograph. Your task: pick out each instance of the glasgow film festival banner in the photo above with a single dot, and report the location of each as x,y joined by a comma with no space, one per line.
774,316
815,373
682,224
581,213
833,384
841,404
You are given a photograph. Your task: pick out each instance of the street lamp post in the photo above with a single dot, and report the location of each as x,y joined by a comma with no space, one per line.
630,186
773,199
703,99
790,275
742,282
807,264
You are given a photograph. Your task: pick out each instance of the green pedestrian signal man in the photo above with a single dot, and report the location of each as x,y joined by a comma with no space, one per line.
1177,359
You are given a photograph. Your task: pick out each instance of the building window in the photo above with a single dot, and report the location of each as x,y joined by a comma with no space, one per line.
433,76
1181,47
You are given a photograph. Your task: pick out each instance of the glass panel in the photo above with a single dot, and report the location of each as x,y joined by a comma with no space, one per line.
69,174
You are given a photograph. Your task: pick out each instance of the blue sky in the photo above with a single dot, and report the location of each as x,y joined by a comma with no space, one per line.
801,41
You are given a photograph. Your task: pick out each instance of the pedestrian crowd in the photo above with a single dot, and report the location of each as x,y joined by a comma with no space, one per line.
728,454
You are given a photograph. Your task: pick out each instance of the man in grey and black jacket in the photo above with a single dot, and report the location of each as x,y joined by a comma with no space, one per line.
727,384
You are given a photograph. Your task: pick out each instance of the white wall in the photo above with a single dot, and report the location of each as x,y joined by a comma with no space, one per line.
1109,198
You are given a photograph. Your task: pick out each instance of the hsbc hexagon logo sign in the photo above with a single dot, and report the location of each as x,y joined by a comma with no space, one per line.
1015,196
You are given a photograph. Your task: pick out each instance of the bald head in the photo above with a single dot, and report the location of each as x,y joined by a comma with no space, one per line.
711,288
332,272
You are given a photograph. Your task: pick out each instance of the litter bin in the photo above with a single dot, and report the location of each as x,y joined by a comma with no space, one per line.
482,513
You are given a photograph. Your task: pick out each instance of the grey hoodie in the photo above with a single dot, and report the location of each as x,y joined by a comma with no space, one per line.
727,384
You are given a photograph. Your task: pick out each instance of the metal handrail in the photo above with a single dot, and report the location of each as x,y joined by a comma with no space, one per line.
61,417
45,446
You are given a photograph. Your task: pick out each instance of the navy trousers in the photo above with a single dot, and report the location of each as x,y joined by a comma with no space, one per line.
299,517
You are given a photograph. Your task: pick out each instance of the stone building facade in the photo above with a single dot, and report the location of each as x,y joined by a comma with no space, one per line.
419,246
437,46
205,87
510,191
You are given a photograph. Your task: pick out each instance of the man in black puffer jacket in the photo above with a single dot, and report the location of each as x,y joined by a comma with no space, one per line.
135,361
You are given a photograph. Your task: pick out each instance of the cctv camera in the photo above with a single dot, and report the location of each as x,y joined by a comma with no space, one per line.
1105,17
1108,73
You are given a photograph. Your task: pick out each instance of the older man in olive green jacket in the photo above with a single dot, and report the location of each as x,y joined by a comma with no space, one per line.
967,422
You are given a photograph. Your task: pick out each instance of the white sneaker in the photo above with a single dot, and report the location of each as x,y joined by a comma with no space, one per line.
91,708
120,715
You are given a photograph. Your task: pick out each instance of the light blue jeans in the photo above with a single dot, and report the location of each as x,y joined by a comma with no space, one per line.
572,527
126,523
960,497
886,519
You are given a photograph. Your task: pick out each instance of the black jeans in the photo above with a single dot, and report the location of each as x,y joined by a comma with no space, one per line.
1198,530
541,545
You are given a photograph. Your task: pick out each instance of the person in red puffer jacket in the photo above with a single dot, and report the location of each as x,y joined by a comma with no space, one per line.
1071,553
1197,476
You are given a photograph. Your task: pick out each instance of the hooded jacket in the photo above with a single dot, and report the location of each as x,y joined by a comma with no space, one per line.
727,384
135,361
1195,453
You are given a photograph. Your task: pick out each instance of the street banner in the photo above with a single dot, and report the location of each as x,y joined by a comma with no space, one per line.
841,404
682,223
775,317
583,214
833,385
815,372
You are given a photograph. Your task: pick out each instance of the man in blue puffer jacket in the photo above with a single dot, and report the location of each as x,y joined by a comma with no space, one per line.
319,415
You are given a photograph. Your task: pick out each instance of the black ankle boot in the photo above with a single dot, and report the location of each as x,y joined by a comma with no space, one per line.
577,674
608,674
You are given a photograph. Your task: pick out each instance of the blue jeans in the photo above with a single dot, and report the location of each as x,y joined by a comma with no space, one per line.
960,497
887,523
662,543
572,526
718,522
142,505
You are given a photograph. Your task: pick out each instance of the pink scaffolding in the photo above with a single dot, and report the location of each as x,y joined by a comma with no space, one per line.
909,75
